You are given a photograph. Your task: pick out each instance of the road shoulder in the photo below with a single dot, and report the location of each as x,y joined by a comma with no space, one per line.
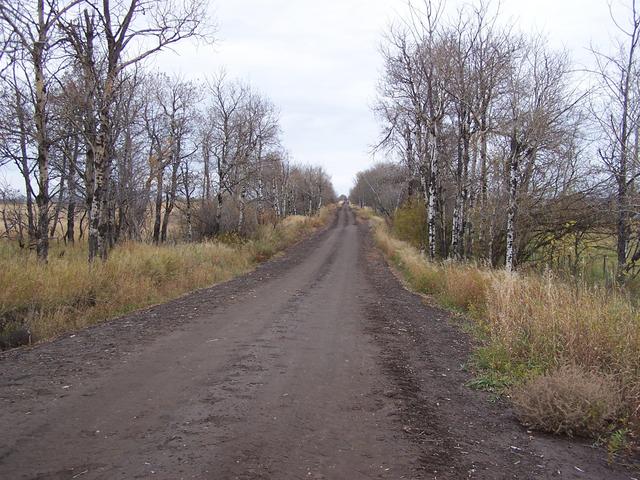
461,433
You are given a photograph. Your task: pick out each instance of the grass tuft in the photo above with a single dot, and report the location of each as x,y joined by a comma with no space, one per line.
570,400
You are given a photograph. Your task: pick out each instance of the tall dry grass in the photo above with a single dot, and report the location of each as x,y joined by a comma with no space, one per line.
67,293
534,329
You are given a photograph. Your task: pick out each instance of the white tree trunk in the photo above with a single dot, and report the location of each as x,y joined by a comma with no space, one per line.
511,213
433,192
241,208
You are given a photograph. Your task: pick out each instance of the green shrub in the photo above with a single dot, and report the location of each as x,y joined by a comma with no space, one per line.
410,223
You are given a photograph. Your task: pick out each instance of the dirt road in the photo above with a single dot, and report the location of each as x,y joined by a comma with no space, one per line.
318,365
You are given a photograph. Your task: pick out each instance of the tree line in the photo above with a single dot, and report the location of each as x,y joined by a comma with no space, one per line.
109,149
509,144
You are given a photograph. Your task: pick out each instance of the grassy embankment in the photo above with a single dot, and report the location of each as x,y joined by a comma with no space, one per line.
567,356
68,294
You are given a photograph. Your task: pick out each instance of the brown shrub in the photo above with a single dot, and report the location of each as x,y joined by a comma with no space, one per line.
569,400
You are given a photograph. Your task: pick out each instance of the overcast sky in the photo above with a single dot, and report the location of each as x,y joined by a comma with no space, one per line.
318,61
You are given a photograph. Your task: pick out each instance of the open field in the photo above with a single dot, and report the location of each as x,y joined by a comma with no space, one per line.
569,356
43,301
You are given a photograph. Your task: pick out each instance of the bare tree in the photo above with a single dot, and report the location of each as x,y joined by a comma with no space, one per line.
616,108
31,30
382,186
416,101
128,32
484,118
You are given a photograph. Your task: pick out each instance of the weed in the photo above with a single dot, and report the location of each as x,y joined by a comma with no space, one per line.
618,443
489,382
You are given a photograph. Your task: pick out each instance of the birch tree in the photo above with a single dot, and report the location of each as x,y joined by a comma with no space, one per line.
489,118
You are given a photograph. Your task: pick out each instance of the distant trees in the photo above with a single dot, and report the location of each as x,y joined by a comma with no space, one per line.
109,150
243,159
488,127
381,186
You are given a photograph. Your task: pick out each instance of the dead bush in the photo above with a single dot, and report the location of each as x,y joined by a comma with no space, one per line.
569,400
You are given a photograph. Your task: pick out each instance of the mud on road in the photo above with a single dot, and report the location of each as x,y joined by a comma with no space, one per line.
317,365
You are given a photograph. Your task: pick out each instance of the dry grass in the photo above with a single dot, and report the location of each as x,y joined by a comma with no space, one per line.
458,286
569,400
532,325
271,239
551,323
68,294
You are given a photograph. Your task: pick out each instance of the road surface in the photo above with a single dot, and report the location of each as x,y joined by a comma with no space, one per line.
317,365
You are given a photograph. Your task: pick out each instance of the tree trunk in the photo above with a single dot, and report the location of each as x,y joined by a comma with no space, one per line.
276,198
622,227
459,222
189,218
456,227
170,197
219,212
433,194
40,117
98,220
71,206
207,172
241,208
468,197
24,167
260,202
165,218
158,206
512,211
61,192
484,172
622,199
